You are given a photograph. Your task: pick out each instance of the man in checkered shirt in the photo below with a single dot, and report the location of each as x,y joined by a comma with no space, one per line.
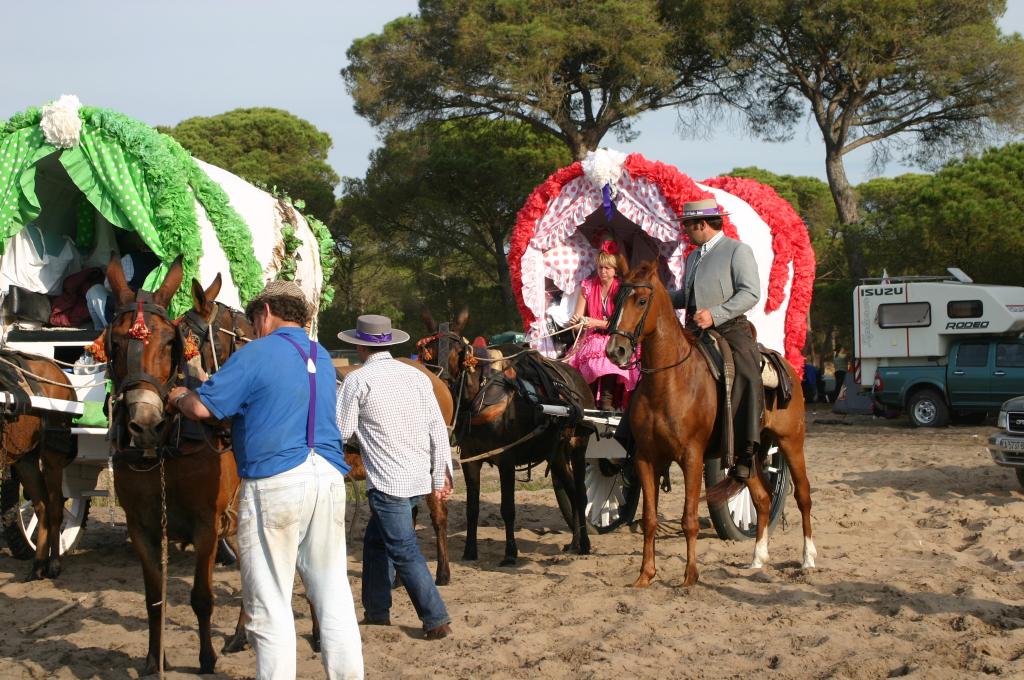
391,409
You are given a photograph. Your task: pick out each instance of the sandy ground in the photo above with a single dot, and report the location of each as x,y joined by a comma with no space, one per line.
920,541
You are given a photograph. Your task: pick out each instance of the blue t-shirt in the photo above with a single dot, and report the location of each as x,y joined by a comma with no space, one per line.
264,389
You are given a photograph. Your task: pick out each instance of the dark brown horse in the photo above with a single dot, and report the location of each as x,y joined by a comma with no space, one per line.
198,479
492,415
38,448
673,414
438,509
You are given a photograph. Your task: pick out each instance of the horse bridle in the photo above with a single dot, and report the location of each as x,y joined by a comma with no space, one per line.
626,289
208,330
143,307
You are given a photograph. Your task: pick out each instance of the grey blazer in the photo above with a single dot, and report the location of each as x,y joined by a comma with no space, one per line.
726,282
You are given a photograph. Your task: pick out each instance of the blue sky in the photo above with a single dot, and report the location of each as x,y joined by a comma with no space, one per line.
162,62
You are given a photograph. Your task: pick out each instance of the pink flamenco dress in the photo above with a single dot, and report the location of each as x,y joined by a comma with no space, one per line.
589,358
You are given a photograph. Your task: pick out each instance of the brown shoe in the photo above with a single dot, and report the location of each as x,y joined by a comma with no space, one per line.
442,631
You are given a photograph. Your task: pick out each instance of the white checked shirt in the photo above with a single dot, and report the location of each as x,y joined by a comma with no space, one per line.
392,410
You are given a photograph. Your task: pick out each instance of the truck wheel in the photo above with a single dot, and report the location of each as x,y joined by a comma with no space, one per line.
927,408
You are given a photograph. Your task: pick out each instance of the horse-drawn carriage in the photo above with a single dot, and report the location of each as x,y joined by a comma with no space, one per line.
636,203
77,184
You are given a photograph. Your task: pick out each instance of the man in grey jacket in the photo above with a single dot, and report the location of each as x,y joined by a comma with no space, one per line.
720,285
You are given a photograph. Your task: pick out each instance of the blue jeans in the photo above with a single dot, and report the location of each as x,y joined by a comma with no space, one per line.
389,545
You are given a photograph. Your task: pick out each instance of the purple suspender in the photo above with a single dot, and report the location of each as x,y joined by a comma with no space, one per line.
310,360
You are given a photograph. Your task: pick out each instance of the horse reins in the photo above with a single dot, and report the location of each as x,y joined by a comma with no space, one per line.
626,289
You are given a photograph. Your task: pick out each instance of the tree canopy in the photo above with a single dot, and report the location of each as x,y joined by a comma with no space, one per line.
266,146
444,197
576,70
969,215
920,76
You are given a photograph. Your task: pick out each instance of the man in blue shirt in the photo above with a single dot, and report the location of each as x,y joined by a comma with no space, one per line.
279,392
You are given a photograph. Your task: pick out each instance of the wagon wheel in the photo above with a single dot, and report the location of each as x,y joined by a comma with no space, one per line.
19,520
736,519
613,493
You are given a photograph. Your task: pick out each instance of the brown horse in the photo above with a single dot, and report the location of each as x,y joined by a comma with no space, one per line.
38,448
493,416
438,509
673,417
146,356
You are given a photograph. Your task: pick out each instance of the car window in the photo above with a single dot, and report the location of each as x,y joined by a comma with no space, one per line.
970,355
1010,355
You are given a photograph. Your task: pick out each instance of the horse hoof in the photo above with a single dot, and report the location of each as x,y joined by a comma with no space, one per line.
314,642
53,569
508,562
151,666
234,644
443,579
469,555
36,573
642,582
760,557
810,553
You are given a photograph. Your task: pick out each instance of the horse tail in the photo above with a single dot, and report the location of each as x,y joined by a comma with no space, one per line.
723,491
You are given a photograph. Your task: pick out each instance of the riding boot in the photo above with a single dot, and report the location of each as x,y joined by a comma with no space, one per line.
607,392
743,466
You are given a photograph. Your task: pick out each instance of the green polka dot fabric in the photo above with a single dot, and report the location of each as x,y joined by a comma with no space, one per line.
19,150
85,228
114,183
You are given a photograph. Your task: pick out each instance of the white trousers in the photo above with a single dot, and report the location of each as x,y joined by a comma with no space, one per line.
297,519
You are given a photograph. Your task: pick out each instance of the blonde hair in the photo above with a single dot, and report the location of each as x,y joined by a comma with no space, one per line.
608,260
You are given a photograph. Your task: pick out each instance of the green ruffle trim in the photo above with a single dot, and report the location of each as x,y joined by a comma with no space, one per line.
165,165
328,260
232,233
27,118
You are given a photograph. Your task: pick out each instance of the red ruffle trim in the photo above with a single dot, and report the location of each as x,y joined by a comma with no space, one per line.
791,244
526,226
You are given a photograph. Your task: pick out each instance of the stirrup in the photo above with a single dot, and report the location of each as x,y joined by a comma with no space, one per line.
742,468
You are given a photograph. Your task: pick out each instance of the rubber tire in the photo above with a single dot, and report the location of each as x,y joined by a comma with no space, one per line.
17,542
938,406
627,511
10,501
721,518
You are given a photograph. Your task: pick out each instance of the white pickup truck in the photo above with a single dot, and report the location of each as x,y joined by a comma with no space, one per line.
1007,446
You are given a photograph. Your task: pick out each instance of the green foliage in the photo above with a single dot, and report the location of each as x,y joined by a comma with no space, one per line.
443,198
574,69
267,146
969,215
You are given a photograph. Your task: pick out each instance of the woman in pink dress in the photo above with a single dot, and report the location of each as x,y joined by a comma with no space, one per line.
593,309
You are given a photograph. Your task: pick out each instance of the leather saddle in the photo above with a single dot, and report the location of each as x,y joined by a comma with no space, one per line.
778,388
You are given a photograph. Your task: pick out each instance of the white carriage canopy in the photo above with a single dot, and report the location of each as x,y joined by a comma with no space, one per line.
75,180
637,203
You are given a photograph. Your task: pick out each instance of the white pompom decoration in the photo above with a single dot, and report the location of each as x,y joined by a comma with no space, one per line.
604,166
60,123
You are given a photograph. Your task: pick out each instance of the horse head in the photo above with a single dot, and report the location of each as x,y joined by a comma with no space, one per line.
145,351
447,351
217,330
640,292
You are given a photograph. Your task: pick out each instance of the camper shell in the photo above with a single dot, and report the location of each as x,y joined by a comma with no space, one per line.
913,321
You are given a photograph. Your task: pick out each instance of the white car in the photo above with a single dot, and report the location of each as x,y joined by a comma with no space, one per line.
1007,446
